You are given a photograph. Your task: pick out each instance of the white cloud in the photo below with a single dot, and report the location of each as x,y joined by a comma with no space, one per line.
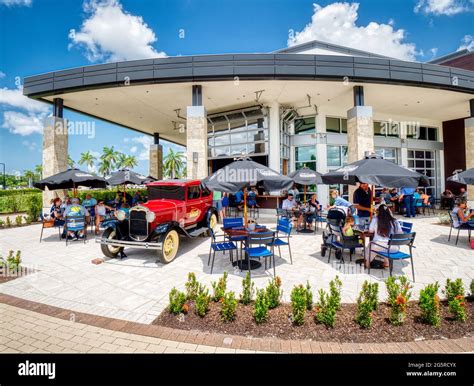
467,43
23,124
112,34
30,118
142,146
133,149
11,3
443,7
2,75
31,145
337,24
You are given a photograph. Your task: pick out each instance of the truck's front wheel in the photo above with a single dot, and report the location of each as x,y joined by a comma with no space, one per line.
169,247
107,249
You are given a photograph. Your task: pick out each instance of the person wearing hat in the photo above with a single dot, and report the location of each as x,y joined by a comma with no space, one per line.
291,206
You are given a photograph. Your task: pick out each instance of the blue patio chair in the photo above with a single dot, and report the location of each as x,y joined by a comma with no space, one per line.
282,236
406,226
404,239
265,248
339,242
50,224
465,227
283,213
234,222
217,246
429,206
75,224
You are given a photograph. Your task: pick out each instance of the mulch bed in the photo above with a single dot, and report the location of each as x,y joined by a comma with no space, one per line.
279,325
8,276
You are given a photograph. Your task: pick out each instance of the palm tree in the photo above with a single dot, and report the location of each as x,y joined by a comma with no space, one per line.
39,171
120,164
29,175
87,158
173,163
70,162
108,159
129,161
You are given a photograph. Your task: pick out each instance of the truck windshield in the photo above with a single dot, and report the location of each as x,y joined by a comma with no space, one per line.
170,192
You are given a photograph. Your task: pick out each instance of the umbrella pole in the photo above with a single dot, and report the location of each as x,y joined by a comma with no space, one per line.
124,194
372,195
304,194
245,209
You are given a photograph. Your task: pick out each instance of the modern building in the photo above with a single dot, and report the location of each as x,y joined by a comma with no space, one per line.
315,104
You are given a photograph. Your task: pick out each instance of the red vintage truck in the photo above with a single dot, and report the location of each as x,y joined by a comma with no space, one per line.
174,208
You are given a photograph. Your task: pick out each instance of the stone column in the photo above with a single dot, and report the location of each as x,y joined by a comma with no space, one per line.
156,161
469,138
274,137
55,153
360,135
322,157
196,142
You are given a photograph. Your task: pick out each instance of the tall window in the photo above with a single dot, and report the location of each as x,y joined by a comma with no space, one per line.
305,156
424,162
388,153
424,133
336,125
236,133
336,158
305,125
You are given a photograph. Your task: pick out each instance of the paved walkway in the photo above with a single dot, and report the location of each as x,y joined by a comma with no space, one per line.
36,328
136,288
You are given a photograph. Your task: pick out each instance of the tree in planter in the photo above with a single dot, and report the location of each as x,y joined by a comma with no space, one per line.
202,301
299,304
12,263
367,303
8,222
192,286
228,307
219,288
454,291
18,220
260,312
309,297
326,308
247,290
274,292
335,287
429,304
398,289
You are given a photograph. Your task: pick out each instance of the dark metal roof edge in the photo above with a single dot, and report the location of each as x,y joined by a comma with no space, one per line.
451,56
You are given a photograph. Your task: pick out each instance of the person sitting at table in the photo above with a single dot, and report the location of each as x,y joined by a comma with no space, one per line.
312,213
137,198
417,201
66,202
460,217
291,206
447,199
89,203
56,212
383,225
239,199
339,202
462,193
295,192
252,198
76,209
100,214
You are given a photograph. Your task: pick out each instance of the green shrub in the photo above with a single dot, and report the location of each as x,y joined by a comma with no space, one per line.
2,223
260,311
472,288
219,288
309,297
28,219
34,206
12,261
429,304
177,301
8,222
454,292
299,304
18,220
335,287
192,286
202,301
18,192
398,289
274,292
229,305
326,308
247,290
367,303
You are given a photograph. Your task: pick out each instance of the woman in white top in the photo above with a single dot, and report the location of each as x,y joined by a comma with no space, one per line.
383,225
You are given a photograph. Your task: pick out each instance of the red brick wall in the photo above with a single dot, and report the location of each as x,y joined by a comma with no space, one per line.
466,62
454,150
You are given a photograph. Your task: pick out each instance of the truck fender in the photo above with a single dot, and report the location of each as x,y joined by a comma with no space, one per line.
163,228
209,212
118,225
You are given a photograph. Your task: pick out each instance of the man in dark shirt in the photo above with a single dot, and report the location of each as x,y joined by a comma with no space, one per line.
362,200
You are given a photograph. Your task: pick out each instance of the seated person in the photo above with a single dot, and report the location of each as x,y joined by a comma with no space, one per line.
100,214
339,202
447,199
417,199
313,210
56,212
66,202
295,192
425,198
76,209
291,206
89,203
137,198
460,218
239,199
462,193
347,230
252,198
386,197
383,225
126,208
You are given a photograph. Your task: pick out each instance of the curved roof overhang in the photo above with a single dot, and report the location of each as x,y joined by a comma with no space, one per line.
106,81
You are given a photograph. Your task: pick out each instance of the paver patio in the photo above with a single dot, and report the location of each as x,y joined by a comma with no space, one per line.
136,288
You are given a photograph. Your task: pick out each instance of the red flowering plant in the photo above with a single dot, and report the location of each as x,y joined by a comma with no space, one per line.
398,289
454,291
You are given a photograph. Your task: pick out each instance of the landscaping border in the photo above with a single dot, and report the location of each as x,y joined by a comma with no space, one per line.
459,345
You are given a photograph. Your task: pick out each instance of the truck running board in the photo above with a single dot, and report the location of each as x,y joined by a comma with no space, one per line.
197,232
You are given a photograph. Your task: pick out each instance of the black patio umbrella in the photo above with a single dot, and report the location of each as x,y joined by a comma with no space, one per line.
378,172
125,177
465,178
244,173
306,176
71,179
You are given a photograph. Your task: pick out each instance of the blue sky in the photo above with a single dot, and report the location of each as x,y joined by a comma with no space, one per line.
36,37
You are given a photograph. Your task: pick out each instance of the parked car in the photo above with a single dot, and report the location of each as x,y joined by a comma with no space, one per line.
174,208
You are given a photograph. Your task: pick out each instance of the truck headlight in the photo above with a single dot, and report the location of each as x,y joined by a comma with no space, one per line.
121,215
150,216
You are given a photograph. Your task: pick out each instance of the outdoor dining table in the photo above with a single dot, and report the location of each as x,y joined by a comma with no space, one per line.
244,232
366,237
